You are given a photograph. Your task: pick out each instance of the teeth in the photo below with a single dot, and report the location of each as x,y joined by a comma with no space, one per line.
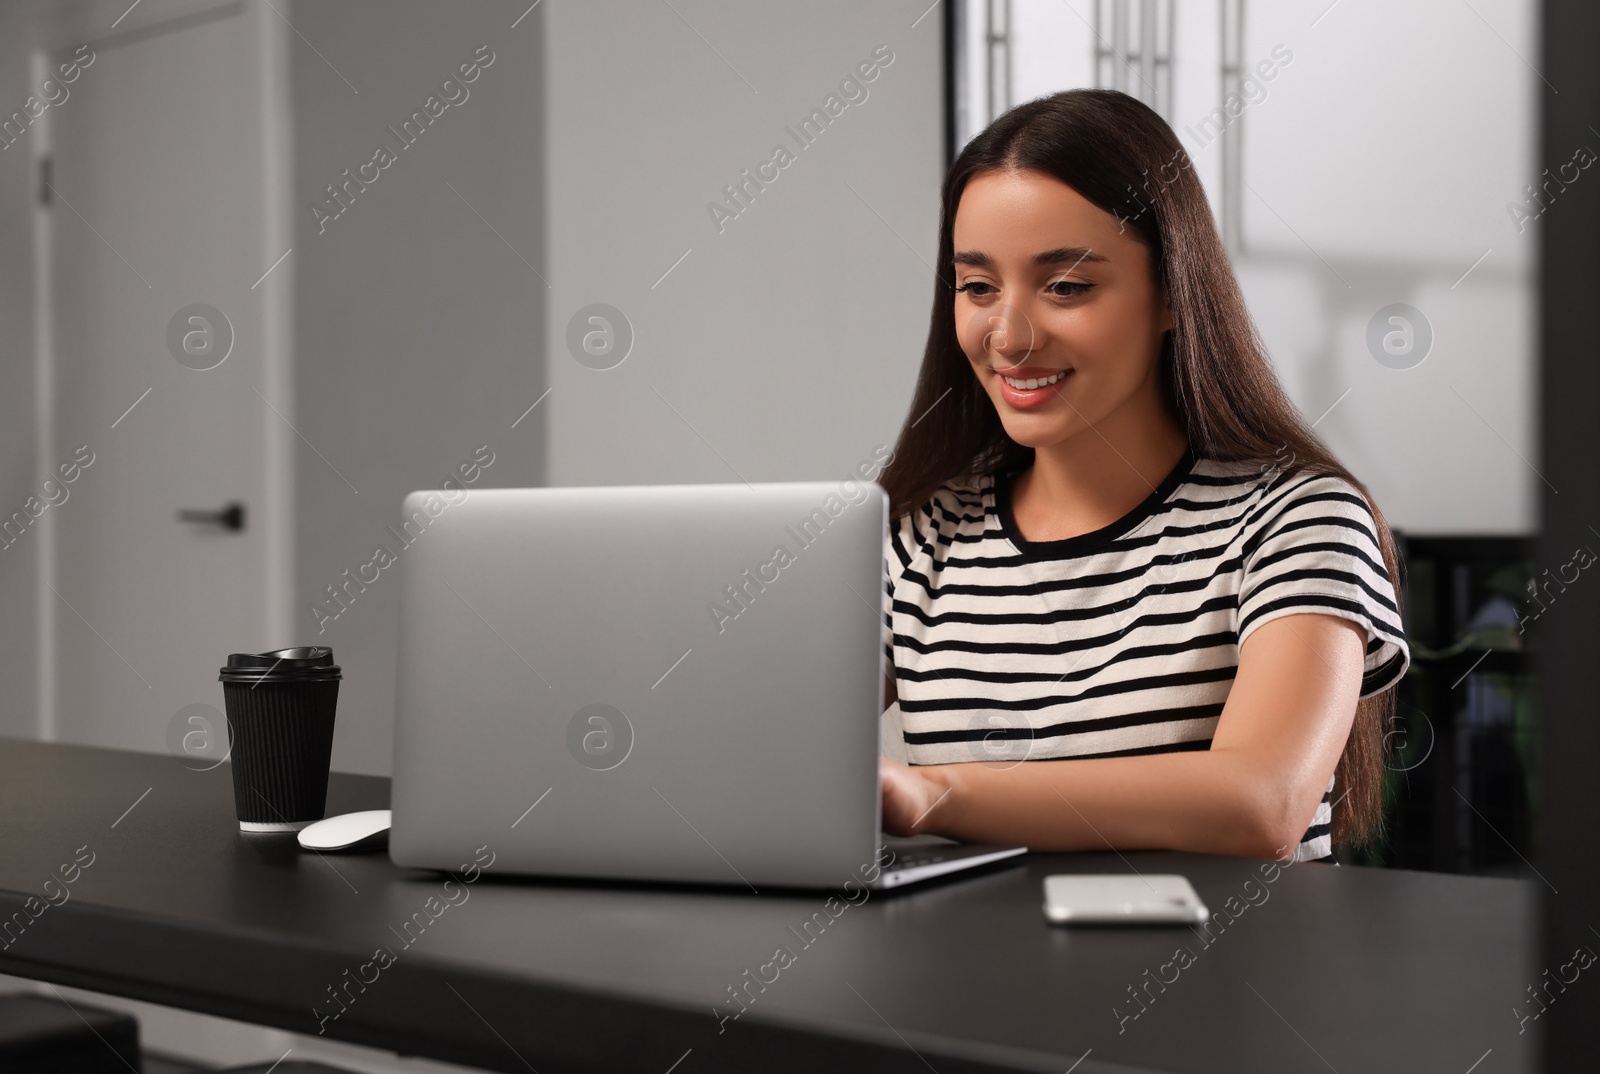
1036,382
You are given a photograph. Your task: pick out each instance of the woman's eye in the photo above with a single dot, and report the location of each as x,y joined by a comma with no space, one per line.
970,285
1073,288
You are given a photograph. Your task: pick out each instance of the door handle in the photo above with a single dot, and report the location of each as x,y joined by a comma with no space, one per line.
230,517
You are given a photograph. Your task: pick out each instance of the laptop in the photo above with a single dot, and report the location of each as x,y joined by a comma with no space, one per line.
656,683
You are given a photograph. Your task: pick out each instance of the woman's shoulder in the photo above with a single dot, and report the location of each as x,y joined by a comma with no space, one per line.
1310,513
958,503
1278,481
960,496
1299,491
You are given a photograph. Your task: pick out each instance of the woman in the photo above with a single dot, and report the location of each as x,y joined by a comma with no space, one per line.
1133,601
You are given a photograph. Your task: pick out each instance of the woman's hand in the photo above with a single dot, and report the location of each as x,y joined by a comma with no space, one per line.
910,795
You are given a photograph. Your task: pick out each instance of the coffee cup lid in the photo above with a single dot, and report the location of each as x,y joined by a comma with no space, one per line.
305,663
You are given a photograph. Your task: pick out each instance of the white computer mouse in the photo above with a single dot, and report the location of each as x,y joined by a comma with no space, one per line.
367,830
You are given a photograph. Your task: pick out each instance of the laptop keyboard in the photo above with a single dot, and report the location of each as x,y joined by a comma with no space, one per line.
910,859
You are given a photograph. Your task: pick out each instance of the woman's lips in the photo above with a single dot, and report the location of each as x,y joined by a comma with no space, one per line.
1028,372
1029,398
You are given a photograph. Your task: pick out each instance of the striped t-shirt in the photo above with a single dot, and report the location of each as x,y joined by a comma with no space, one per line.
1124,640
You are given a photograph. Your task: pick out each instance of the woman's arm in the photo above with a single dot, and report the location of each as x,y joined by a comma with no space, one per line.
1254,792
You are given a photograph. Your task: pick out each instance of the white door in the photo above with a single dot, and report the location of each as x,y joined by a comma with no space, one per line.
156,185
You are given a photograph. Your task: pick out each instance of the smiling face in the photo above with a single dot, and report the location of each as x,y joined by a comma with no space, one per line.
1047,283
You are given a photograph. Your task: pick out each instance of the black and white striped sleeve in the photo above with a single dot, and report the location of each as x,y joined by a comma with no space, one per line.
1316,550
891,571
904,539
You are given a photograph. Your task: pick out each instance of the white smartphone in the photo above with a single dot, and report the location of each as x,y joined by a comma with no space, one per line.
1100,898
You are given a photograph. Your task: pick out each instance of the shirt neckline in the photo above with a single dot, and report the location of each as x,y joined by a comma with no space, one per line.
998,505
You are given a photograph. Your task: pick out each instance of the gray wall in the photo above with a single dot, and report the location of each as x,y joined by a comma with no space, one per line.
418,329
785,345
18,470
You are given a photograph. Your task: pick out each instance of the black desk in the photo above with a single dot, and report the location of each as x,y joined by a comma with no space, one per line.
1342,968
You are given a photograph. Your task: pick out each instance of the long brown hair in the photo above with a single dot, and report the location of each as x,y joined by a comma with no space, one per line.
1216,377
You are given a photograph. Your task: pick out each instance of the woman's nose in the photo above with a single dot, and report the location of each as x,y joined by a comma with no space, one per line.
1007,332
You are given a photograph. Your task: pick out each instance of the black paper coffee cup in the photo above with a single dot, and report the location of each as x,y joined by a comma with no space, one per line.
280,722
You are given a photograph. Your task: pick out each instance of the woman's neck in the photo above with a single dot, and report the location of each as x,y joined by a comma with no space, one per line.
1093,479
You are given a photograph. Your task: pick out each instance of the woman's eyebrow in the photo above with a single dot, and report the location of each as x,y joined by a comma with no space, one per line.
1060,254
1074,254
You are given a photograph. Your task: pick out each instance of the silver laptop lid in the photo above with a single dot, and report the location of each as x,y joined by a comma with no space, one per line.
668,682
